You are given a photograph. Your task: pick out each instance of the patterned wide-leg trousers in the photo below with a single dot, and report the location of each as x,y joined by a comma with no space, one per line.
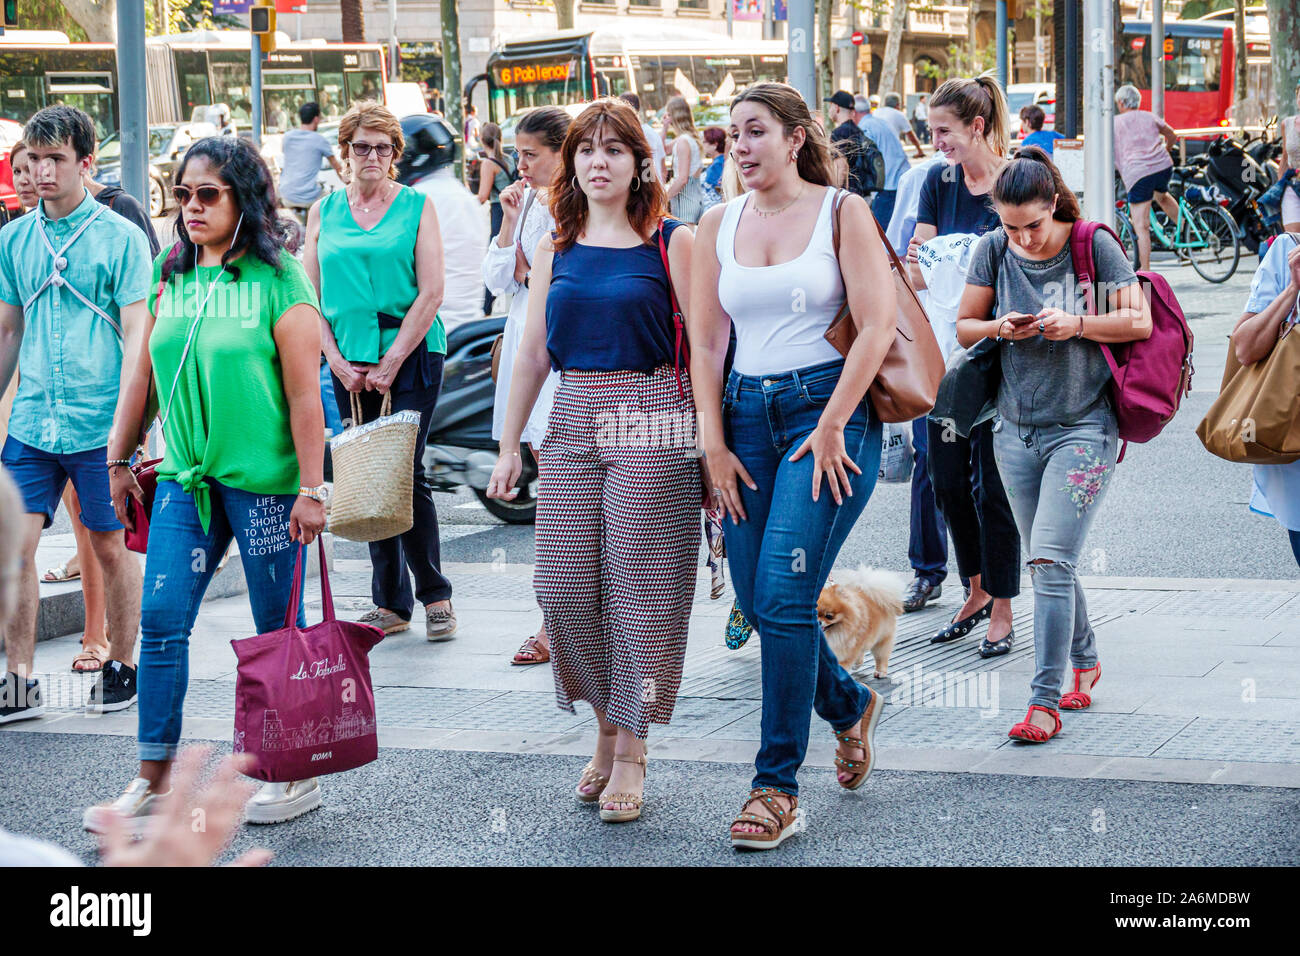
618,537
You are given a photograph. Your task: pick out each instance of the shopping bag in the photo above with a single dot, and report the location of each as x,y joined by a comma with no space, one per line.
896,453
304,706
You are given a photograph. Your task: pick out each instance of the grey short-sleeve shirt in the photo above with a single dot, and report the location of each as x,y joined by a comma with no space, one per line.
1045,382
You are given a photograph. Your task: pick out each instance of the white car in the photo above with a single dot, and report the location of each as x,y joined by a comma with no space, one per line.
1020,95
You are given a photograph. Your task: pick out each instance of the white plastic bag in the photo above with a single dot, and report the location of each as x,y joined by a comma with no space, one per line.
896,453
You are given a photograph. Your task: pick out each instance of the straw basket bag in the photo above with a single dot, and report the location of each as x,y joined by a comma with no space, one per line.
374,474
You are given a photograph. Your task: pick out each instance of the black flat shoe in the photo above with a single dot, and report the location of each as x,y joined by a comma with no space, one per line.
959,629
998,648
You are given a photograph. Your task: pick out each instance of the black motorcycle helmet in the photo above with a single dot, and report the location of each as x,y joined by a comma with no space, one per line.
430,145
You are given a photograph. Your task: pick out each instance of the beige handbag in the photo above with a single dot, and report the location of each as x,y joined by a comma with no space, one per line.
374,474
1256,418
908,381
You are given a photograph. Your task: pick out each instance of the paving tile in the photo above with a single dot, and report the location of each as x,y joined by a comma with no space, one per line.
1261,741
522,710
1229,604
943,727
702,716
1118,735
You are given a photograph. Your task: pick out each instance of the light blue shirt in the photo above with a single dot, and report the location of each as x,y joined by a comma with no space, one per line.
70,361
886,140
303,151
1277,487
903,221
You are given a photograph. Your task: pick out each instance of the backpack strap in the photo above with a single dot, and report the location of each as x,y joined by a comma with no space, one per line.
1085,273
682,347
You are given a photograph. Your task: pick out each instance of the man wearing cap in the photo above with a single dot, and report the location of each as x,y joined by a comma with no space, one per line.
846,138
896,162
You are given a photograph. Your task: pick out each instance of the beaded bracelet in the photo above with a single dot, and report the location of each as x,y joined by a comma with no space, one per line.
115,462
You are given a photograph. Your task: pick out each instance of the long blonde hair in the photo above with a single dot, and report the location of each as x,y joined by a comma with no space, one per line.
679,114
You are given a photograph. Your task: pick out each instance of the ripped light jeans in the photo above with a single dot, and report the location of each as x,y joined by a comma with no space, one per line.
178,569
1055,477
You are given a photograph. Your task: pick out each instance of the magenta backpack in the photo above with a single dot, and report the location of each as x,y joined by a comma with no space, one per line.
1149,377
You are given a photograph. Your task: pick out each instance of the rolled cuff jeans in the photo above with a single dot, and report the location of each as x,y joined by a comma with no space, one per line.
1055,478
782,554
179,565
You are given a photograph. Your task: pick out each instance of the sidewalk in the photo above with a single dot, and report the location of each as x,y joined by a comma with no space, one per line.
1201,685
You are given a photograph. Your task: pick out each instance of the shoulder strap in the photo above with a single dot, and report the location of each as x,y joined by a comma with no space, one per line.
681,347
1081,256
532,197
840,195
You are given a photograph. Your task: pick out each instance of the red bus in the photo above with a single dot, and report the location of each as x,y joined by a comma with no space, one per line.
1200,68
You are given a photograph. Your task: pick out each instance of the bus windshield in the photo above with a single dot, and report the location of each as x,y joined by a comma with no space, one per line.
1192,64
538,81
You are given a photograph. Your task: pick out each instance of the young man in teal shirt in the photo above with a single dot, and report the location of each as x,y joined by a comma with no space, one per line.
74,277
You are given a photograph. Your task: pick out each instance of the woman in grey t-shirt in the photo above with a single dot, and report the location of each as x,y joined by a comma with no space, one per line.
1056,439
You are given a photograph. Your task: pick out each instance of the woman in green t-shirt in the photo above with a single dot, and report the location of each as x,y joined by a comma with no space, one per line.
234,344
375,254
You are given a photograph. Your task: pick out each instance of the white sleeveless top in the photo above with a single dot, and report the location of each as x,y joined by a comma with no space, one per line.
781,312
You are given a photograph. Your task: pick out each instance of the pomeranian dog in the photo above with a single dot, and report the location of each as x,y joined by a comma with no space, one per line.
859,612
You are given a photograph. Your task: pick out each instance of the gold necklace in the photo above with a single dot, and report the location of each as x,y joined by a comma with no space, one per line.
769,213
383,199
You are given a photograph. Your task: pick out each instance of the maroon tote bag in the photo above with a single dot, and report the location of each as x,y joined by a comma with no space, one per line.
304,706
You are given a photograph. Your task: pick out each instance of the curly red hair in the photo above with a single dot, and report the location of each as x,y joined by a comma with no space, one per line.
646,204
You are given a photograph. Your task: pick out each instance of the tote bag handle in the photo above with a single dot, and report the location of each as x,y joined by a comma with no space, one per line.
295,593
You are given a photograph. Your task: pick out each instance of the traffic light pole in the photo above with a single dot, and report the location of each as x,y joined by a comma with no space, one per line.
133,103
1099,112
1158,59
256,64
803,74
1002,43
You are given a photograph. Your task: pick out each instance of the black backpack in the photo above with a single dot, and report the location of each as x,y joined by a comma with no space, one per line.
866,164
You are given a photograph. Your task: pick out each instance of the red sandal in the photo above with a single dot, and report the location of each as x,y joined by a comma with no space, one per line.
1081,699
1032,733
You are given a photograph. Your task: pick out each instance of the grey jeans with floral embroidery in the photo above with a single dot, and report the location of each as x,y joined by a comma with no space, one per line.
1055,477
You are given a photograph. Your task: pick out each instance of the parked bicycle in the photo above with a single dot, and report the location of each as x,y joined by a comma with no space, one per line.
1205,235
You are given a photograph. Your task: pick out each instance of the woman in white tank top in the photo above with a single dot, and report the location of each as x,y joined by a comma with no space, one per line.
1291,160
792,447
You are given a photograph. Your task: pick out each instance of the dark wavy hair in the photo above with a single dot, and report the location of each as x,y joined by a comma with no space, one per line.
646,204
262,233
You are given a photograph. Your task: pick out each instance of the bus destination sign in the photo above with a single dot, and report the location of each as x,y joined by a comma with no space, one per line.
518,74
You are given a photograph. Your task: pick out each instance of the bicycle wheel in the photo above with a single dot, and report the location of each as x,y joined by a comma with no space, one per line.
1127,239
1213,245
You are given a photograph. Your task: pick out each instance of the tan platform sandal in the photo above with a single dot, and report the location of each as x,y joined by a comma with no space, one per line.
861,769
775,829
624,816
590,776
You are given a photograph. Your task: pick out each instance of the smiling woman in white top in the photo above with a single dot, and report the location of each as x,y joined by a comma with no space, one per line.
792,446
526,219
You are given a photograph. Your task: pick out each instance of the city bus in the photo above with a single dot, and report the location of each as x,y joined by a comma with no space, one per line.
1200,61
575,66
186,74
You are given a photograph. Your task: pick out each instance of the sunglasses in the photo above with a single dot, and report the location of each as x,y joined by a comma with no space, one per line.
207,194
382,150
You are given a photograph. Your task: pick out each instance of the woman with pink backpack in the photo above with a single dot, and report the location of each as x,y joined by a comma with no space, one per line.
1057,437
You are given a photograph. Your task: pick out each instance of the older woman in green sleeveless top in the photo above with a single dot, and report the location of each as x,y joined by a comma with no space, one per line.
375,255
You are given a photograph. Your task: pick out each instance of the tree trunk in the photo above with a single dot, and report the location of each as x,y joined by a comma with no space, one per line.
893,42
451,71
564,14
354,21
1284,36
97,17
825,70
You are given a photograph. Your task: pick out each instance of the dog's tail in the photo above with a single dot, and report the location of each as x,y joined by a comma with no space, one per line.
884,588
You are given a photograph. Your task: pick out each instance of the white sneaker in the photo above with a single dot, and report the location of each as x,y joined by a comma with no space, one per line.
136,805
278,802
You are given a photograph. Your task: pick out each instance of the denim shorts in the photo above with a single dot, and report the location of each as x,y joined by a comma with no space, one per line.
41,475
1144,189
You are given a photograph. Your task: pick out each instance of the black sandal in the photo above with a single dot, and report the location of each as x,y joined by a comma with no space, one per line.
959,629
998,648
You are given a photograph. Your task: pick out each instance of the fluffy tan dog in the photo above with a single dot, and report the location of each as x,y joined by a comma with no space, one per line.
859,612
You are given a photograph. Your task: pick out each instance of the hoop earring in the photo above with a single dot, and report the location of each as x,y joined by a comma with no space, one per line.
794,156
574,181
636,183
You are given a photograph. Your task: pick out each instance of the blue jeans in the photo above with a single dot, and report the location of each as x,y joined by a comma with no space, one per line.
781,555
882,206
927,541
178,568
1055,478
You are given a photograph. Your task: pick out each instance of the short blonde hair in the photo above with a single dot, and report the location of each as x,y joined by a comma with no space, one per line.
367,114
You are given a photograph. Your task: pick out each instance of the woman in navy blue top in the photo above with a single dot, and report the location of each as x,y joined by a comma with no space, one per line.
618,504
969,122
